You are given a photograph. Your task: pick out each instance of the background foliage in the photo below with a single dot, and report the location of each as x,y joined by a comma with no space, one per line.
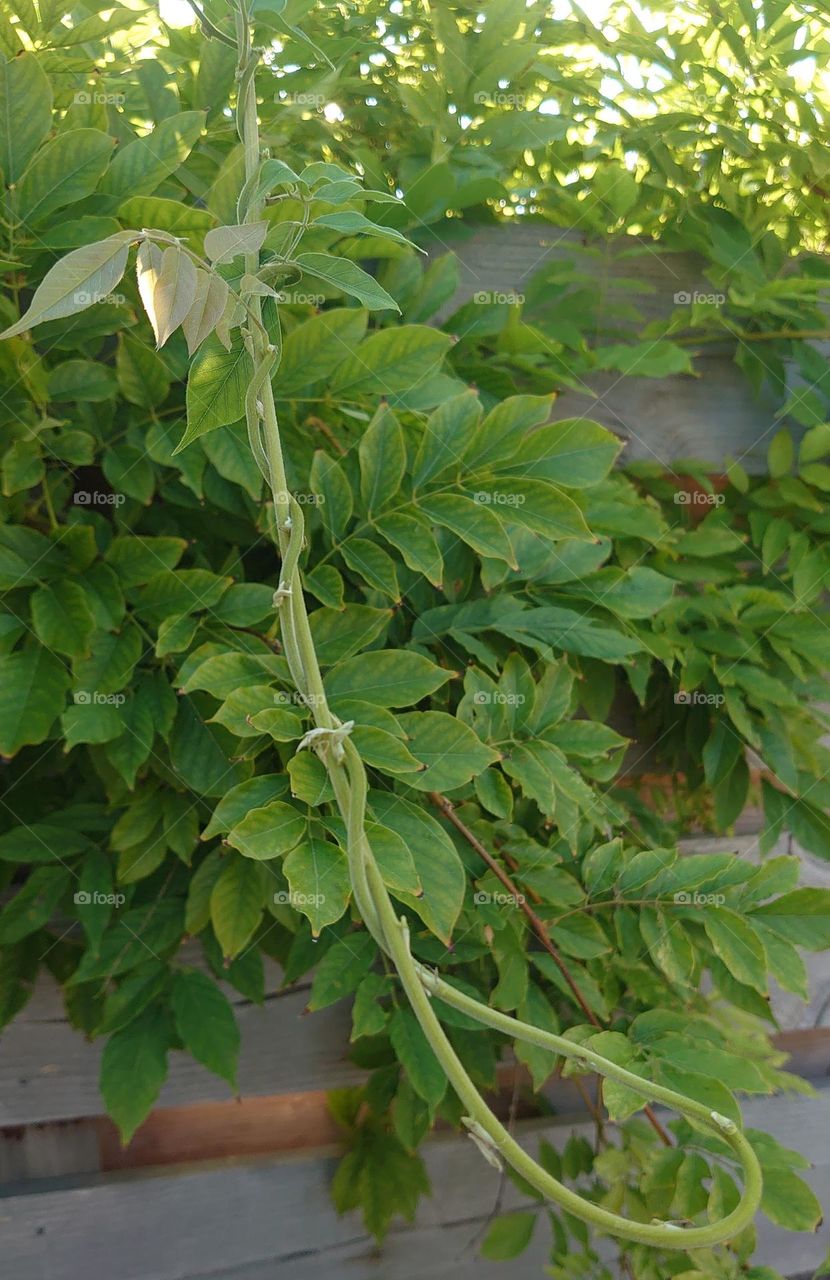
152,792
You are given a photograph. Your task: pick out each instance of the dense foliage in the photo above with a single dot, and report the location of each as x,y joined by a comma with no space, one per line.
488,591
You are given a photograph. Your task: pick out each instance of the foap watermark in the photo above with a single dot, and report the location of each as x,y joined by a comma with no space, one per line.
685,299
685,899
482,698
293,698
86,898
499,898
490,297
293,298
83,298
500,99
292,898
90,97
92,698
498,499
695,698
304,499
315,101
97,498
697,498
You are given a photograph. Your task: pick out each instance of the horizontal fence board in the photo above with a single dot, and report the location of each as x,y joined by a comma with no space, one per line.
274,1219
709,417
48,1072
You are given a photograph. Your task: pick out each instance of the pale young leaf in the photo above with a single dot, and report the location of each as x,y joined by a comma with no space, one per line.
207,309
224,243
174,293
85,276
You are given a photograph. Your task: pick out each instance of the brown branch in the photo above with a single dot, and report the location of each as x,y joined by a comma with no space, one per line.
441,802
326,430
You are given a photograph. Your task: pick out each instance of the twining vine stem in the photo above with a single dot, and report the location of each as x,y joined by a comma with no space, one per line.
446,807
345,768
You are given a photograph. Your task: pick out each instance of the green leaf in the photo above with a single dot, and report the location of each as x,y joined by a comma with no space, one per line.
206,1023
494,793
382,454
155,927
78,281
534,504
133,996
318,877
507,427
223,244
309,779
440,870
412,536
236,903
368,1017
133,1069
802,917
142,375
348,277
137,560
62,619
314,349
32,906
112,661
90,722
81,380
383,750
165,215
386,678
33,685
737,944
23,467
268,832
215,389
789,1202
339,632
350,222
373,564
721,752
42,842
333,493
575,453
66,170
446,439
391,360
449,749
140,166
780,455
25,112
342,969
473,522
396,863
199,754
425,1073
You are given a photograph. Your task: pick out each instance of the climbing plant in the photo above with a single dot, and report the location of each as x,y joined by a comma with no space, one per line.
397,609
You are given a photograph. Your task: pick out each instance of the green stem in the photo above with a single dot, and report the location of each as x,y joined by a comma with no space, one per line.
348,778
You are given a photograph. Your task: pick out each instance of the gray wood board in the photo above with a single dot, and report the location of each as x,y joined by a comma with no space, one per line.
258,1219
709,417
49,1072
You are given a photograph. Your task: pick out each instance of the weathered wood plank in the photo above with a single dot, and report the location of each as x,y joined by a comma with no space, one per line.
258,1219
708,417
49,1072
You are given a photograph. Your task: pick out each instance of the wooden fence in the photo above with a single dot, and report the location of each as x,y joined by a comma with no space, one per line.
710,416
214,1188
